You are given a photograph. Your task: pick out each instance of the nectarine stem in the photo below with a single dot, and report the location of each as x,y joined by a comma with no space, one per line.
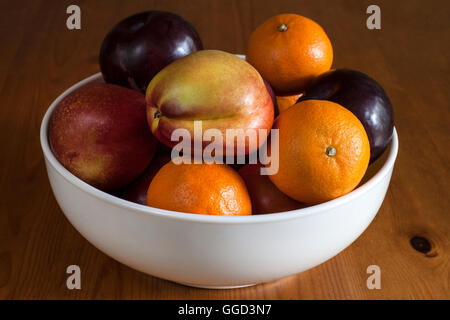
157,114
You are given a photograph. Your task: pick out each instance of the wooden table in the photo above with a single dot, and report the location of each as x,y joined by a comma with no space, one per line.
409,56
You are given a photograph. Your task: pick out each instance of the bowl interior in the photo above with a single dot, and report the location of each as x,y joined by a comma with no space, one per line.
375,173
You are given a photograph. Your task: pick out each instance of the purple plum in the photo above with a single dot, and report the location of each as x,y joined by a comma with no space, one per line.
137,190
141,45
364,97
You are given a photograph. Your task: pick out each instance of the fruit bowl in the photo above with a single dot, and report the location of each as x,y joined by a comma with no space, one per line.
215,251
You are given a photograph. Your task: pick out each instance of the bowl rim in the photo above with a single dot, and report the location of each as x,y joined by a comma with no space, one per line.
251,219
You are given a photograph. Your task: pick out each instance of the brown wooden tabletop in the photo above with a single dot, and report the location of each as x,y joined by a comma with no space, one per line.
409,56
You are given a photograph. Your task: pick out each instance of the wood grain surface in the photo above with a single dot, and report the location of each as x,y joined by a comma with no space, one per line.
409,56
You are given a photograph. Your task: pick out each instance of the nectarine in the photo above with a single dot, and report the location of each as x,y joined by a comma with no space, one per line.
100,134
214,87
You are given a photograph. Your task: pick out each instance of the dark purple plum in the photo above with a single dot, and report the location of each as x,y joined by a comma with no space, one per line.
139,46
361,95
137,190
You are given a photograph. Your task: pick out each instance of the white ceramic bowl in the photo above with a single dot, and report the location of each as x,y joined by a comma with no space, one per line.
215,251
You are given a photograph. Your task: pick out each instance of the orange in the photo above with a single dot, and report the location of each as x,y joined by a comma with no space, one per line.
323,151
289,51
214,189
285,102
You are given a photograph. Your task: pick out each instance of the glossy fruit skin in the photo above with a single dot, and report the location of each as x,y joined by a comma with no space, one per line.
272,95
291,58
216,87
324,151
364,97
100,134
265,196
139,46
211,189
137,190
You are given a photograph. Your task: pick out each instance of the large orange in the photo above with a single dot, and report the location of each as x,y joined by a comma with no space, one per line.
289,51
323,151
214,189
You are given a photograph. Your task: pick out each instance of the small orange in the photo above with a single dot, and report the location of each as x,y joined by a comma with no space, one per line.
285,102
289,51
213,189
323,151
